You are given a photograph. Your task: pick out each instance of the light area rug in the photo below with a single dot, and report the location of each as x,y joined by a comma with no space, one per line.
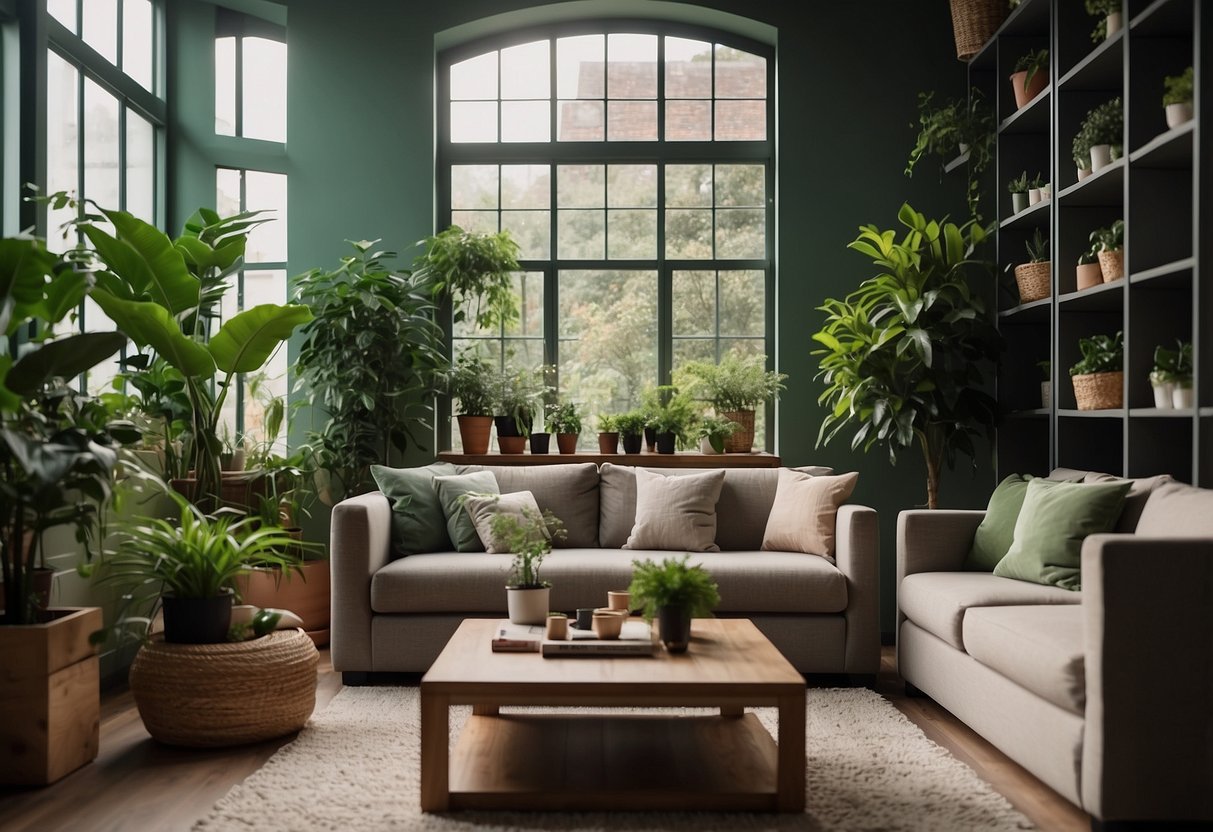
355,767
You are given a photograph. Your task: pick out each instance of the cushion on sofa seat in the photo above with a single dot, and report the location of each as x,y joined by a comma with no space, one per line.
937,601
755,582
1176,509
569,491
1039,647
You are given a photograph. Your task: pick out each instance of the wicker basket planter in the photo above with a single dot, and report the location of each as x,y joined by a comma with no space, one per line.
1112,264
214,695
1034,281
1099,391
973,22
740,441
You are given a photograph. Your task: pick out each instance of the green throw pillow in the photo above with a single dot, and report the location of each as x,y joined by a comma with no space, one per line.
997,529
418,524
1052,524
459,523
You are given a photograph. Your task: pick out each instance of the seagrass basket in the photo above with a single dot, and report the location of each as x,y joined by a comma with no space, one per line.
1112,264
1034,281
1099,391
973,22
740,441
214,695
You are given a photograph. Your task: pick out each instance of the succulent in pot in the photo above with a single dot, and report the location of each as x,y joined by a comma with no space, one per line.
1018,188
1034,278
529,538
674,592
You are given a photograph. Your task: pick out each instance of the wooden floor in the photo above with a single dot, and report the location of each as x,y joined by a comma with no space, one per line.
136,784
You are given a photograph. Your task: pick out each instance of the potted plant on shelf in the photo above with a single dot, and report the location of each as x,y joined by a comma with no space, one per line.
1081,153
1171,378
713,431
1089,273
1036,189
529,538
1031,75
469,383
1046,386
672,418
974,22
608,434
1108,12
1018,188
515,395
1177,100
1034,278
673,592
1099,377
952,130
734,388
1103,133
564,420
1108,244
631,430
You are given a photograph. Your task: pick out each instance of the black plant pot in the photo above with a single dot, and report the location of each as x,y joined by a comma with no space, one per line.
197,620
650,438
506,426
540,443
674,628
631,442
665,443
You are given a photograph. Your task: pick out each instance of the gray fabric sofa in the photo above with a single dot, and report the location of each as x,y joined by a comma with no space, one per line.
1106,694
396,615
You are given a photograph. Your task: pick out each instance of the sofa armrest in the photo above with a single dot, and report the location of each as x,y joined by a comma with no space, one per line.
1148,614
359,546
857,555
934,540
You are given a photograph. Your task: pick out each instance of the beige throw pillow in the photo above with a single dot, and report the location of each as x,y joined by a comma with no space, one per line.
482,508
676,513
802,517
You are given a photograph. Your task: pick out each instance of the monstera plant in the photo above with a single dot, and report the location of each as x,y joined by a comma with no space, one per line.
905,356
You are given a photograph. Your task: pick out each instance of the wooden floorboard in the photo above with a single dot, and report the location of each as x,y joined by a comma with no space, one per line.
135,784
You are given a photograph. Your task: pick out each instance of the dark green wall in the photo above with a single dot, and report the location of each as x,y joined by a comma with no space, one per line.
361,161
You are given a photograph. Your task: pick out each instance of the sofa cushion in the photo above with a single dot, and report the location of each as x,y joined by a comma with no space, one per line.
997,530
1054,521
418,524
517,504
676,512
805,511
570,491
1140,490
459,524
1175,509
750,582
937,601
1039,647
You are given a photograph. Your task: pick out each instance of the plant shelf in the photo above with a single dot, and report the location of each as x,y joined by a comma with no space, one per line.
1101,69
1172,149
1034,413
1105,188
1160,413
957,162
1176,275
1110,413
1037,214
1106,297
1033,117
1036,311
1162,18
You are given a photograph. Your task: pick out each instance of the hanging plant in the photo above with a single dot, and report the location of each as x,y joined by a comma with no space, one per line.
948,131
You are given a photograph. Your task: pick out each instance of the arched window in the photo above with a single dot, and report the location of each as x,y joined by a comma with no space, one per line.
634,164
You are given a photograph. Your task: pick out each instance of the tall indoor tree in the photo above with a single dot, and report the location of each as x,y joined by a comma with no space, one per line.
906,357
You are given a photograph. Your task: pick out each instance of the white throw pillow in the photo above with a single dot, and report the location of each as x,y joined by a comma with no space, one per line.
482,508
803,515
677,513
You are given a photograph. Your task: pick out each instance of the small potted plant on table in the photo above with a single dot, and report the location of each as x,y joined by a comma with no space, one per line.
564,420
468,383
1099,377
530,538
673,592
1177,100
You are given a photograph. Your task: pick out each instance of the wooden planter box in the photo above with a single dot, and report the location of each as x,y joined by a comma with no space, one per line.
50,697
306,595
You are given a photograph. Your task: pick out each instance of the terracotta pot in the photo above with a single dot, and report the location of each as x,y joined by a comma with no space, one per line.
1025,92
305,593
1178,114
608,443
541,443
1088,275
474,433
566,443
511,444
1112,264
741,441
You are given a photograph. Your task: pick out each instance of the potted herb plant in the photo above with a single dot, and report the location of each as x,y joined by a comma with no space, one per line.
1031,75
1177,100
952,130
673,592
1099,377
713,431
1103,133
631,430
564,420
1108,12
1089,273
529,538
1018,188
1034,278
608,434
469,383
735,388
515,394
1108,243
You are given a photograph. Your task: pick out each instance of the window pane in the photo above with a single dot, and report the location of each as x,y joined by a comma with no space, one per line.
140,167
688,68
100,145
741,121
693,349
475,78
688,186
525,121
266,191
225,86
526,71
479,222
581,233
137,40
631,66
580,186
579,67
579,121
473,121
740,74
694,303
264,86
632,234
688,121
526,186
100,24
532,230
65,12
632,121
473,186
740,185
62,161
631,186
742,302
528,288
688,233
227,192
101,377
740,232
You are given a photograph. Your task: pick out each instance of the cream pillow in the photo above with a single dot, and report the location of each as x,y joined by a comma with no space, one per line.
802,516
676,513
482,508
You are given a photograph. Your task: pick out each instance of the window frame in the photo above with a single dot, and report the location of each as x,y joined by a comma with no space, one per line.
605,152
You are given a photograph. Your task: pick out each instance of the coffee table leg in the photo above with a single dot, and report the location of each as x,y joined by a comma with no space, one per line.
435,752
790,786
732,710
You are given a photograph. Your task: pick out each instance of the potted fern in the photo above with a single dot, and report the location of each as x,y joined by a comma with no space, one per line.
529,538
1034,278
673,592
735,388
1177,100
1099,377
631,430
515,394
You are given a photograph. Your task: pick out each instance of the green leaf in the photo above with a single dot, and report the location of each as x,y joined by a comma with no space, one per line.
169,282
150,324
65,357
245,342
828,340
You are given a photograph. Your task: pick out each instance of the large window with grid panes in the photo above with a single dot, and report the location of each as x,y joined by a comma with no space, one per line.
633,163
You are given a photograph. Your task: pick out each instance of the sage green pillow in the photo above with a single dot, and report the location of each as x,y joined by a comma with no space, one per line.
1052,524
459,523
418,524
997,530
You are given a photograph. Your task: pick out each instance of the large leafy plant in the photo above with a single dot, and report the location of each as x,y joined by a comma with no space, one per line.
905,357
673,582
943,129
368,363
472,270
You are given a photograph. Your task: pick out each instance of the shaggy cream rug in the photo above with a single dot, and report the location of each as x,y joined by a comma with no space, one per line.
354,767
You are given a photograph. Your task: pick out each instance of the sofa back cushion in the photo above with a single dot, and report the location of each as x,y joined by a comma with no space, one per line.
1176,509
568,491
677,513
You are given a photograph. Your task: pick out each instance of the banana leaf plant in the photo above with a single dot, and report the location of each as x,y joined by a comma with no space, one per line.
164,295
906,357
58,447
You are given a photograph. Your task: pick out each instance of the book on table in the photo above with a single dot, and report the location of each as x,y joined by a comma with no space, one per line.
636,639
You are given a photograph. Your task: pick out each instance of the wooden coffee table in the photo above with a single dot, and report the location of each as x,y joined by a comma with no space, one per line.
571,761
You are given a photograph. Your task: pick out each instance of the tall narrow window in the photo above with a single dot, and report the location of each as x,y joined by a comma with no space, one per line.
250,78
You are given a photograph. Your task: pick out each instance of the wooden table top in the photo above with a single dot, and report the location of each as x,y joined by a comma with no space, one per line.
644,459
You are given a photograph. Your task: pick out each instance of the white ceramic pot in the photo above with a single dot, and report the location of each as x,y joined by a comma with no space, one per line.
1178,114
705,447
1046,394
1033,196
1113,24
1018,202
527,606
1083,173
1182,398
1162,395
1101,157
1046,191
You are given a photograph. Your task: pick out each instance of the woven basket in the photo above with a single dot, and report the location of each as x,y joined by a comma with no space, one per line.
973,22
1034,281
1112,264
741,441
214,695
1099,391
